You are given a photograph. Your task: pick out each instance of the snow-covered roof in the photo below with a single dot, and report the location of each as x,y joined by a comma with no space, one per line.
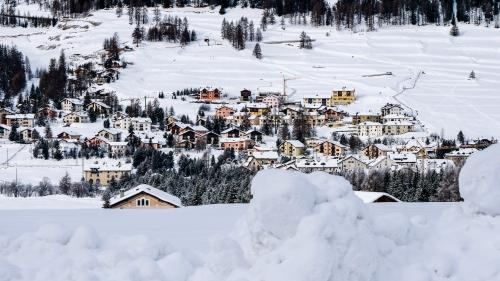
233,139
296,143
155,192
371,197
396,116
369,123
117,143
318,95
141,119
74,101
20,116
398,123
322,163
104,166
265,154
403,157
101,104
229,130
257,105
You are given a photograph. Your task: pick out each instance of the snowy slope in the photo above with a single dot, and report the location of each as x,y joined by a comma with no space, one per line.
442,96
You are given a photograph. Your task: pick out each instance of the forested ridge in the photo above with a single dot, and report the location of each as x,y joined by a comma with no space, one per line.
344,13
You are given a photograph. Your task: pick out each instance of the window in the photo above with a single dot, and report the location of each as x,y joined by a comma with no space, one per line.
142,202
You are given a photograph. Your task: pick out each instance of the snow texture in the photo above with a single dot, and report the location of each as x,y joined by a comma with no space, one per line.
480,180
298,227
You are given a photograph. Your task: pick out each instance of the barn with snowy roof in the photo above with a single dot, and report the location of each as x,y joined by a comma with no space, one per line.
143,197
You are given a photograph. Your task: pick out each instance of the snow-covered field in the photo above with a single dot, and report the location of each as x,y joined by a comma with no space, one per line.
303,227
443,97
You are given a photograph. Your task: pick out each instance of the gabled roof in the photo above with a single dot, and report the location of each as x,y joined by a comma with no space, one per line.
295,143
144,188
372,197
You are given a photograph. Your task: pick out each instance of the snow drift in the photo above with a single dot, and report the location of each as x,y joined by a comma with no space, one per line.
480,180
298,227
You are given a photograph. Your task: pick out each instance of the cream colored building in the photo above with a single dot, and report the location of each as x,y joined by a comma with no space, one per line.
398,127
76,117
343,97
102,174
23,120
292,148
370,129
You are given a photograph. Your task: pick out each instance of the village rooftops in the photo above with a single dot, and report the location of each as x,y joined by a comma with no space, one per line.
144,188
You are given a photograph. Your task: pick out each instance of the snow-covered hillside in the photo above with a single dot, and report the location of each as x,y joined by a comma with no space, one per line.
426,58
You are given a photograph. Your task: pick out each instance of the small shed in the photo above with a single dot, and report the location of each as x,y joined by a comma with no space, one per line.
375,197
144,197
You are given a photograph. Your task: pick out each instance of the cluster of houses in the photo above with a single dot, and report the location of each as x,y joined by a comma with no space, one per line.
256,150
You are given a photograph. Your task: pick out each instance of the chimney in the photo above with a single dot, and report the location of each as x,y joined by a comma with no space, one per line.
122,193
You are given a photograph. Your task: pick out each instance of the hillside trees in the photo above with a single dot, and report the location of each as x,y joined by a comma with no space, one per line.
239,32
171,29
53,81
12,71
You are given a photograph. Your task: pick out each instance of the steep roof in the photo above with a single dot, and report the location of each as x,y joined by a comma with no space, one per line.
155,192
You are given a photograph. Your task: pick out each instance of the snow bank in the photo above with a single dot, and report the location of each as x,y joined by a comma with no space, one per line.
480,180
56,253
298,227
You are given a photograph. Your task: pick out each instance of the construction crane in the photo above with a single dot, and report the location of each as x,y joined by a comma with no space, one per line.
284,82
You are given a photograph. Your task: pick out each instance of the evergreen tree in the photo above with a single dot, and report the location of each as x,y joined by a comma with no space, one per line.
472,75
65,184
257,52
461,137
454,28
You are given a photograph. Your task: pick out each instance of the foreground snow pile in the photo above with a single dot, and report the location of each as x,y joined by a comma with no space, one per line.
298,227
480,180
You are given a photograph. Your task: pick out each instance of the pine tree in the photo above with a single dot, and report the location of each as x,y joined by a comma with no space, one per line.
461,137
48,132
14,134
65,184
258,35
257,52
137,35
106,197
454,28
472,75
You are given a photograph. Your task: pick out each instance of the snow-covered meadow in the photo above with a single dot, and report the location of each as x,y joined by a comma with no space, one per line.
425,57
302,227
